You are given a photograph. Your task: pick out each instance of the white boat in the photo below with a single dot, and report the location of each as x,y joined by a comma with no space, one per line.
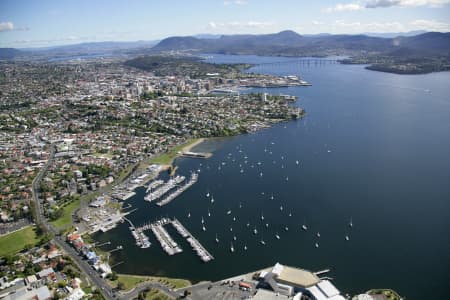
240,205
318,234
347,238
261,174
262,217
248,224
212,199
204,228
217,239
245,247
209,214
297,162
229,212
287,178
277,236
255,231
262,242
189,215
231,228
232,248
267,225
234,218
317,245
281,207
351,223
234,237
203,221
286,228
207,194
271,197
304,227
242,171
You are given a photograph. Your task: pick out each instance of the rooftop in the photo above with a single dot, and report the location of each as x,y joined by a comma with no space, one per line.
298,277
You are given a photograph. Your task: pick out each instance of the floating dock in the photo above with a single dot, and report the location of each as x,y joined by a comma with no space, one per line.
169,198
166,241
170,184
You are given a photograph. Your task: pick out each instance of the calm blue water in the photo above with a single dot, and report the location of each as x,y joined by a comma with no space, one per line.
374,147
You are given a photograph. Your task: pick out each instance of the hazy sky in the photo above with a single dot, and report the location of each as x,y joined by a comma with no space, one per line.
29,23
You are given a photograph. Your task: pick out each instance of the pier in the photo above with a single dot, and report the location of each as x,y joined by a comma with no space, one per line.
166,241
170,184
196,154
169,198
141,239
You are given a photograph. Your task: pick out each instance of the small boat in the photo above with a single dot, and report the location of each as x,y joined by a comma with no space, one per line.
261,174
248,224
234,237
217,239
212,199
255,231
240,205
267,225
245,247
232,248
347,238
189,215
286,228
329,151
262,217
231,229
271,197
204,228
209,214
203,221
317,245
290,214
234,218
207,194
297,162
229,212
318,234
277,236
242,171
351,223
262,242
287,178
281,208
304,227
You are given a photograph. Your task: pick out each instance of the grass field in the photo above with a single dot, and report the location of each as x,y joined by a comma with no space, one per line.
16,241
130,281
154,294
66,218
168,157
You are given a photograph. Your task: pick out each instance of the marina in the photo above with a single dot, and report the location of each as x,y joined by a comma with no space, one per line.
167,243
179,190
169,185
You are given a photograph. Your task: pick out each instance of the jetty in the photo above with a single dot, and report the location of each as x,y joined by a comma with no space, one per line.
154,184
196,154
169,185
178,191
141,239
166,241
204,255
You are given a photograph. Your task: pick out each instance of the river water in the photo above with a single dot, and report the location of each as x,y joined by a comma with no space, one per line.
373,148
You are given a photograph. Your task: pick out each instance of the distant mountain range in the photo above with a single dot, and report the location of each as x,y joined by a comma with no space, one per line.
290,43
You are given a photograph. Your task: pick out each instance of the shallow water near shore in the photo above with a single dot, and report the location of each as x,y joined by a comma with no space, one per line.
372,148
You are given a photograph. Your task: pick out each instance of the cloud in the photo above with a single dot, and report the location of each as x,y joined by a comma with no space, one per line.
6,26
237,2
239,25
370,4
430,25
344,7
9,26
314,22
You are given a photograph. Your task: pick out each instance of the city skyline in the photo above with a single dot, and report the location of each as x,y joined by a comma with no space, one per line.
49,23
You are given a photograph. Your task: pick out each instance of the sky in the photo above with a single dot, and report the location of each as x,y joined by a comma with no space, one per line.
33,23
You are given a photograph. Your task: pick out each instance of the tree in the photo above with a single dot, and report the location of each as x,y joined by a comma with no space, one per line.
120,285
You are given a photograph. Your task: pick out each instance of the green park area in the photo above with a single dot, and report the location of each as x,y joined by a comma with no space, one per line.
127,282
18,240
66,218
168,157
